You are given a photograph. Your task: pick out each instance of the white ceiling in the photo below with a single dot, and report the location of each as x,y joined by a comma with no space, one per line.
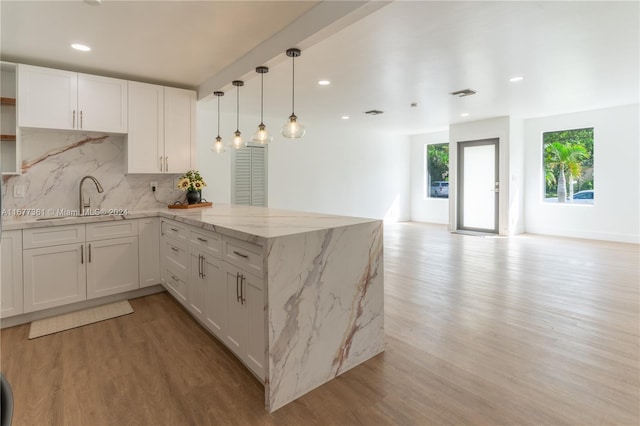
573,55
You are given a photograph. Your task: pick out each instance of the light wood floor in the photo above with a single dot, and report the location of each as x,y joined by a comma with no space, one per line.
480,331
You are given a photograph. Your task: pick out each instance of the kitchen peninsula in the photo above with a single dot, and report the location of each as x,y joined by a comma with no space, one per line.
315,280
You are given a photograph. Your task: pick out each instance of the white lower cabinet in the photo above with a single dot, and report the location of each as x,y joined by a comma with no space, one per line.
112,266
206,290
72,263
54,276
244,332
11,274
149,251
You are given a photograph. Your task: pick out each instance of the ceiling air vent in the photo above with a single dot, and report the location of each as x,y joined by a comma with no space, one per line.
463,93
374,112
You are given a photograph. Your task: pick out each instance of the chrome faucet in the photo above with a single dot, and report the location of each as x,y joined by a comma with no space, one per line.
87,205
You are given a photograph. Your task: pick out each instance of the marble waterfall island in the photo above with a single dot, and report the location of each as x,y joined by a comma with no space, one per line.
324,308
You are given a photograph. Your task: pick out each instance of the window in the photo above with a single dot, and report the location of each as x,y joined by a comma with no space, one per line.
437,171
568,166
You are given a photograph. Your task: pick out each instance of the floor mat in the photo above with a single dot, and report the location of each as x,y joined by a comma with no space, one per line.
71,320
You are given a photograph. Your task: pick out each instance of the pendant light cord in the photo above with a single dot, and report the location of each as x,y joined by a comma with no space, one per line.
293,86
262,98
218,115
237,108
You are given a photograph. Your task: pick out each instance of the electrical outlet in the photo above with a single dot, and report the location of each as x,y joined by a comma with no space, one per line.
154,186
18,191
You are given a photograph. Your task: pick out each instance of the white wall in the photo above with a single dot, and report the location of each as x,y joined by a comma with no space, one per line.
615,215
334,169
511,219
426,209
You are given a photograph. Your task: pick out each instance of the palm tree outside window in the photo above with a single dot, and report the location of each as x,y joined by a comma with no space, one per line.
568,166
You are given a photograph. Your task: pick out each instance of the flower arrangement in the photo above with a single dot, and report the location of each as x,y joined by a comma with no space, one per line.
191,181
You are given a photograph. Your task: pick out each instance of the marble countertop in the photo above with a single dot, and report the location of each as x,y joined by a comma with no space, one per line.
260,222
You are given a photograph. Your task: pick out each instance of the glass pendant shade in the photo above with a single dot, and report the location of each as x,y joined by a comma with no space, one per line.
236,142
292,129
218,146
262,135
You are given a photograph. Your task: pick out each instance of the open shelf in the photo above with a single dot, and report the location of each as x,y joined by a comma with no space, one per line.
7,137
7,101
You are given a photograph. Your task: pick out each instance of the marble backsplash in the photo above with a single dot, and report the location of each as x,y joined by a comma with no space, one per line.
54,162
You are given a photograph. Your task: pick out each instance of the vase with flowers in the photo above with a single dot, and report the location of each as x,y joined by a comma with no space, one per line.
193,183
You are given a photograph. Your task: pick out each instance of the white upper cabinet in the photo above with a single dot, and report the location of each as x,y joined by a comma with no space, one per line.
102,102
161,135
179,129
145,141
56,99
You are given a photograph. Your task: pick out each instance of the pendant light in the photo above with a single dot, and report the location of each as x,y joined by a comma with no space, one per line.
262,135
218,146
237,143
292,129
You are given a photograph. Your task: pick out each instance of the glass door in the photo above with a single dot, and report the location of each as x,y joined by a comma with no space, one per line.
478,185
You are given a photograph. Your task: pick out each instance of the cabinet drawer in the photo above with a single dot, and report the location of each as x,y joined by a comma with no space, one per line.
107,230
208,242
174,230
52,236
176,285
244,255
174,252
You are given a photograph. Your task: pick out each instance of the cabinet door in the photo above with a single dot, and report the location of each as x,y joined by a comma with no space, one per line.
149,251
47,98
11,274
179,129
235,331
54,276
102,104
196,288
112,266
255,348
216,296
145,141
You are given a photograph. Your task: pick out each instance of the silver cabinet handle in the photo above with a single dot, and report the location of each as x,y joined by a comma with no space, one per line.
81,119
82,254
243,281
89,253
201,239
203,274
74,119
166,163
174,249
246,256
237,284
161,157
174,229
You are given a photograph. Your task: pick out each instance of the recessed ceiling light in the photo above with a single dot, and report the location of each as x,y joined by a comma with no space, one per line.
81,47
324,82
516,79
345,117
464,114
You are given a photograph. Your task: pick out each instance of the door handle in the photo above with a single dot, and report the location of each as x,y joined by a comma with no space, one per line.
203,274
